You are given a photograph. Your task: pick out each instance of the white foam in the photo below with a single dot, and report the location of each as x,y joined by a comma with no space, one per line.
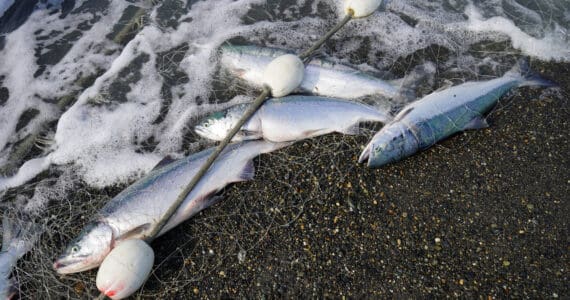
29,170
550,47
29,92
101,141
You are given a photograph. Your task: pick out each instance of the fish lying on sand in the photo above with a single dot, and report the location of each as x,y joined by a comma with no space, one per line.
322,77
438,115
292,118
134,212
17,240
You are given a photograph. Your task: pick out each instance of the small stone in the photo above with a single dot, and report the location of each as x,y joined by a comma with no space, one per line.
241,256
506,263
79,288
437,240
195,290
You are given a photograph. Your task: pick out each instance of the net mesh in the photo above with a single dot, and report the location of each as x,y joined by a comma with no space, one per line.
480,213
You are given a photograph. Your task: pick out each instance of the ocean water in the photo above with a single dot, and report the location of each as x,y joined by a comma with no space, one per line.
94,93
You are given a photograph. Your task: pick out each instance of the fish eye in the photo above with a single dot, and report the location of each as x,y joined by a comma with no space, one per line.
74,249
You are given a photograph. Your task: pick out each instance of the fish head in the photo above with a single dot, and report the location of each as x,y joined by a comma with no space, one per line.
87,251
392,143
217,125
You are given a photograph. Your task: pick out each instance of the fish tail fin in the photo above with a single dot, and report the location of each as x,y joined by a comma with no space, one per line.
528,77
18,237
14,246
408,85
8,232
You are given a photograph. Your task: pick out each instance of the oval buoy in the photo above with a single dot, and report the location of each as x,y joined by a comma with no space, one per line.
125,269
284,74
361,8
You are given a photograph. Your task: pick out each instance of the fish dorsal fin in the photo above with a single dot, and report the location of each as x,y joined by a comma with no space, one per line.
134,233
404,113
446,84
165,161
477,123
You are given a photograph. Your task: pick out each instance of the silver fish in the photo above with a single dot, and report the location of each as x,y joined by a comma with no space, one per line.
134,212
292,118
17,239
438,115
321,77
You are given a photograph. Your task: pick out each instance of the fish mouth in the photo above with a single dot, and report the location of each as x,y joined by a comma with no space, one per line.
67,265
207,133
201,131
60,266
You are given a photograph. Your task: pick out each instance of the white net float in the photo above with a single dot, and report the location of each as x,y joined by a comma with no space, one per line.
125,269
284,74
361,8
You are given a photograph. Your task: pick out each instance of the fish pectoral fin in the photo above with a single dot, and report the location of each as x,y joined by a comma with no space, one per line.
135,232
246,135
247,172
476,123
165,161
